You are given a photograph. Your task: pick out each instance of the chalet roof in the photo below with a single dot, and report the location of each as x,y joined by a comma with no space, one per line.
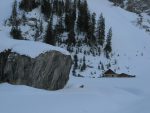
123,74
126,75
109,72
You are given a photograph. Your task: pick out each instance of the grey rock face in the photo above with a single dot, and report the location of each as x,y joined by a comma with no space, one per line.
47,71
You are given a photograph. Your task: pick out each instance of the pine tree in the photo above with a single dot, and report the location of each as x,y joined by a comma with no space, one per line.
75,65
55,6
37,34
108,47
74,14
59,29
75,61
41,26
13,18
46,8
75,4
79,23
102,66
67,22
60,11
71,38
58,7
86,16
24,18
78,3
67,5
15,30
91,29
93,20
70,18
49,37
60,26
83,67
63,6
28,5
16,33
83,17
74,72
101,30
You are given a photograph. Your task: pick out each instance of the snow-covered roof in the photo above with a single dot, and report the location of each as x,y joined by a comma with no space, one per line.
109,72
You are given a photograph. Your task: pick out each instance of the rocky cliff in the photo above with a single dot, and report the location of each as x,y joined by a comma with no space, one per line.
49,70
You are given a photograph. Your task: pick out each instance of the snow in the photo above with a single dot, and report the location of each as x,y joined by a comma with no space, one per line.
99,95
28,48
128,41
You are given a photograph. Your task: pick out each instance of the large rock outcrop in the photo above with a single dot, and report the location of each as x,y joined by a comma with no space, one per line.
49,70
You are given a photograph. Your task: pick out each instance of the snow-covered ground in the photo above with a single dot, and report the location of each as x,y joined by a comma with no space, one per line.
99,95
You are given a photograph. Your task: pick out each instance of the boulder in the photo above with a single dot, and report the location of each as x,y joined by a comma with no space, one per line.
49,70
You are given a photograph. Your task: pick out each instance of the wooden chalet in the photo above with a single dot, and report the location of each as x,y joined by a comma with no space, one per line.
110,73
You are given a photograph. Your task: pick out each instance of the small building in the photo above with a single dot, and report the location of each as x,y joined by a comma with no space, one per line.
110,73
125,75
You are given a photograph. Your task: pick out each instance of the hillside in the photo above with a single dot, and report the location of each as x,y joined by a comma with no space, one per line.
85,44
130,54
140,7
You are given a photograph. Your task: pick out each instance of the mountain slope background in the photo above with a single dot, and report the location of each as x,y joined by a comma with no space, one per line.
131,50
33,26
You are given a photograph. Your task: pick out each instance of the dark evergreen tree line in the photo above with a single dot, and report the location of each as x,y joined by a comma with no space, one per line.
28,5
14,21
83,17
46,8
72,17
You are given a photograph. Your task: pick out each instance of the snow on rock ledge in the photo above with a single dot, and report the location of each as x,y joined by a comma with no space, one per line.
28,63
28,48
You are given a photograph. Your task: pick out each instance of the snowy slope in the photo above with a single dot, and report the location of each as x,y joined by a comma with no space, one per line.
28,48
130,42
99,95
